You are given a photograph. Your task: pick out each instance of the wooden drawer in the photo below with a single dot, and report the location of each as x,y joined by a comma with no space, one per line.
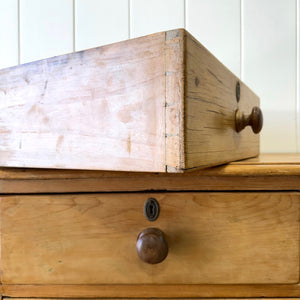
159,103
213,238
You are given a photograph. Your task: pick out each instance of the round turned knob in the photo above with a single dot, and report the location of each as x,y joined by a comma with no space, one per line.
151,246
255,120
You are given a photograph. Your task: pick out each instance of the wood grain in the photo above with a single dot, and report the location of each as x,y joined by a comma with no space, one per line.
267,172
151,291
263,165
213,238
174,100
159,103
160,183
146,298
97,109
210,104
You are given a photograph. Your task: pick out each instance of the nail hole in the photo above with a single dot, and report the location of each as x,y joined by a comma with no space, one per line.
238,92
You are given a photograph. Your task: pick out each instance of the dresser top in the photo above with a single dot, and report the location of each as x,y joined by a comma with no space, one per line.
267,172
264,165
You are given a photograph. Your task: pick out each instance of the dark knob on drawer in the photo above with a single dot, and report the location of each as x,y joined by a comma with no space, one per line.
151,246
255,120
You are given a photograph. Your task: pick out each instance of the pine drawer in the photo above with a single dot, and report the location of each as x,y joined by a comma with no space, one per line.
159,103
213,238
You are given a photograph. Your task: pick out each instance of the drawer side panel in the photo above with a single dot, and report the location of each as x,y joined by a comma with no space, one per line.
101,108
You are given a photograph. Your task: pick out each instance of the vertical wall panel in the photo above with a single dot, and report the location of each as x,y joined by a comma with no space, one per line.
46,28
269,60
156,15
268,38
8,33
216,24
99,22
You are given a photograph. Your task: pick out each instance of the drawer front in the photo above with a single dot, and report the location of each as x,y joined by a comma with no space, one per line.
213,238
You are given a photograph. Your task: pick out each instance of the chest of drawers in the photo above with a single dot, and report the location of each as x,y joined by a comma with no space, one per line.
230,232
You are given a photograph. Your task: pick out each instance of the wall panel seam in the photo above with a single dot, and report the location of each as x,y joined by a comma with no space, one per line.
129,19
74,27
241,39
184,13
19,34
186,19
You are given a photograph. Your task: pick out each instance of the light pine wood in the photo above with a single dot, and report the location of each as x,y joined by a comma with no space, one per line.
136,184
175,48
101,108
151,291
213,238
264,165
141,299
210,105
267,172
159,103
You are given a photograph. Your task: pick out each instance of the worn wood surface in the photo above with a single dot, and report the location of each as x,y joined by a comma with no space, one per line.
159,103
175,159
222,238
151,291
267,172
101,108
142,299
210,105
160,183
263,165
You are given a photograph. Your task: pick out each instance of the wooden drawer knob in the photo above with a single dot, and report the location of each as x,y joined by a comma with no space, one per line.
255,120
151,246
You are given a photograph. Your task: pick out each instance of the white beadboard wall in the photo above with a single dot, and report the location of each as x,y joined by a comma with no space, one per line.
257,39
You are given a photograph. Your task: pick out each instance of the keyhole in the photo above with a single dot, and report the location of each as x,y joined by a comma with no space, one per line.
151,209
